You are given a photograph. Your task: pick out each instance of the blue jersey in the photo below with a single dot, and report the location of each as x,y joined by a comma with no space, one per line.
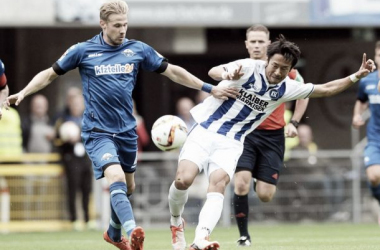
108,77
3,79
368,93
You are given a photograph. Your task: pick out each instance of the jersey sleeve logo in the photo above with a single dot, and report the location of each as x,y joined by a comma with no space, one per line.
66,52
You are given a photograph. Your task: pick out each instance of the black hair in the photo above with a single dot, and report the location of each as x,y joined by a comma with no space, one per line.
288,49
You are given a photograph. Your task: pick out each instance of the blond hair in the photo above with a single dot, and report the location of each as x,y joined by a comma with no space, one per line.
258,27
113,7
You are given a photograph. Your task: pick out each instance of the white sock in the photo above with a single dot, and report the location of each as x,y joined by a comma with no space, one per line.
177,200
209,215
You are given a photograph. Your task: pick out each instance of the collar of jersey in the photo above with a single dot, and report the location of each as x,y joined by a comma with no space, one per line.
102,42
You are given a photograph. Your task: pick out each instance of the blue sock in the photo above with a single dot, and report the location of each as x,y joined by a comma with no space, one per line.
375,192
121,206
114,229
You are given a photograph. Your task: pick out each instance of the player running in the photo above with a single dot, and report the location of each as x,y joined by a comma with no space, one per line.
108,64
369,97
264,148
216,143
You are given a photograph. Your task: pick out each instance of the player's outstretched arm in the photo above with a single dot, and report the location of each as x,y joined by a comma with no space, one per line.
40,81
359,108
337,86
219,73
180,75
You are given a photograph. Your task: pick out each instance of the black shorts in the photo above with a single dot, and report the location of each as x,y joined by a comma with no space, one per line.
263,155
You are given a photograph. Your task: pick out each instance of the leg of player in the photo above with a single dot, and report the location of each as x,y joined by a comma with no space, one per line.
241,205
178,195
373,175
123,210
211,211
265,191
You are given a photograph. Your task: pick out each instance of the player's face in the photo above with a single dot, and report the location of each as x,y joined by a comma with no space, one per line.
377,57
115,29
277,69
256,44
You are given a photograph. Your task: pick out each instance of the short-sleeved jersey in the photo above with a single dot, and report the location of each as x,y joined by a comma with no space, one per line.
108,77
3,79
236,118
368,93
276,120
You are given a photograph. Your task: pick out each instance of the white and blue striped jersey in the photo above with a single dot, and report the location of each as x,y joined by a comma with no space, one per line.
235,118
108,77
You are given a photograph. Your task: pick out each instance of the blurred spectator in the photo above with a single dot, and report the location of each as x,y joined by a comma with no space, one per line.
141,131
183,106
76,162
200,96
70,94
10,133
37,133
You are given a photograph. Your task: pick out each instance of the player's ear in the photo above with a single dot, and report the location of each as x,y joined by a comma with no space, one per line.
102,24
246,44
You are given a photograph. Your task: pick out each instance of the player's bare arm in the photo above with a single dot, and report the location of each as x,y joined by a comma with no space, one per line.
219,73
337,86
3,95
40,81
299,111
181,76
357,118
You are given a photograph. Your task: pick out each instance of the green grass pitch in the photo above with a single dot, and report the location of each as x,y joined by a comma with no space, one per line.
264,237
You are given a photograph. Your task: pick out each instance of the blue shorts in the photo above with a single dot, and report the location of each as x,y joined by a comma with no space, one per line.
105,149
372,154
263,155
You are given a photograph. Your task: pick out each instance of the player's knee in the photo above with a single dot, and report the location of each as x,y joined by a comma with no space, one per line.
374,179
265,196
182,183
115,177
241,188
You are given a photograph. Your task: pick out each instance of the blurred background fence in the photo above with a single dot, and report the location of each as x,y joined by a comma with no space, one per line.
332,188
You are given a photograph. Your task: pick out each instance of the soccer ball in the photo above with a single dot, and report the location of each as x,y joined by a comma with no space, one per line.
69,132
169,132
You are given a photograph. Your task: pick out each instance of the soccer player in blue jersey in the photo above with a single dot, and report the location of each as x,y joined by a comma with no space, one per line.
216,143
369,97
4,91
108,64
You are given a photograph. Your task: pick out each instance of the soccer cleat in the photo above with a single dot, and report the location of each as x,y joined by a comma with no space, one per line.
137,238
178,236
122,245
204,245
243,241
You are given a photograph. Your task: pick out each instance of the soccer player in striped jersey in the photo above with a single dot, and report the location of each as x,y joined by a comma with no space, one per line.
4,91
108,64
264,148
216,143
369,98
